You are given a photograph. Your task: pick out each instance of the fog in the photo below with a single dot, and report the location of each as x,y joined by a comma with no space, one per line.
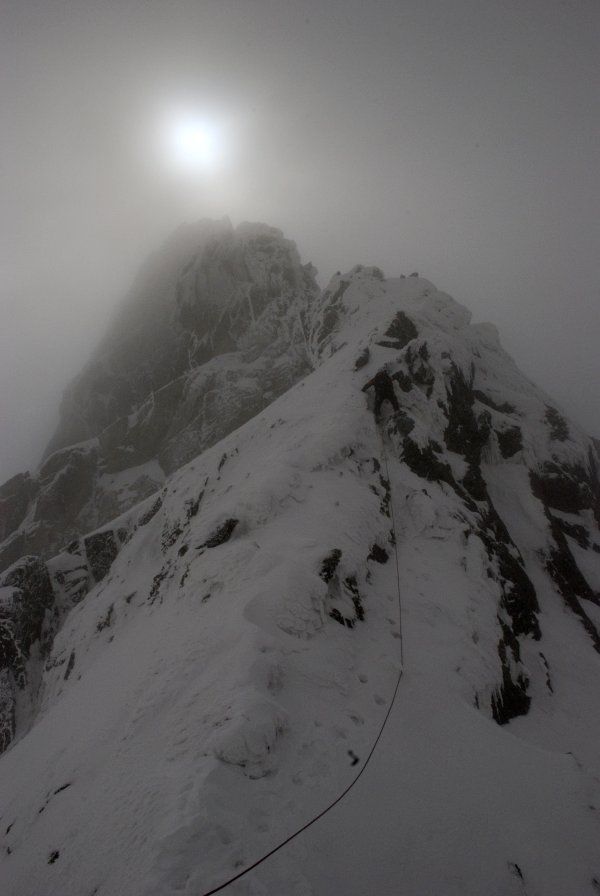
457,139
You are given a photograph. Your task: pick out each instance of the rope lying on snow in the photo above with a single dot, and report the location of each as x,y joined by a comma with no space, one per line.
345,792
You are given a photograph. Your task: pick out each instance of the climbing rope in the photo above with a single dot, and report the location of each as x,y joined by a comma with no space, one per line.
347,790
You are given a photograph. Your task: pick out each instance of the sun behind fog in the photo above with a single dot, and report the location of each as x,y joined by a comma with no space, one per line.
193,143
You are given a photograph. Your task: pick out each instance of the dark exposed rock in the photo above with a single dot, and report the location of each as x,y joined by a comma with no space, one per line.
594,480
425,463
335,614
421,372
144,437
351,586
378,554
171,532
466,433
570,581
158,580
7,695
25,620
548,676
106,620
222,534
575,531
519,596
67,481
70,665
559,428
400,332
193,505
363,359
151,512
510,441
474,483
570,488
101,550
31,600
346,591
387,496
503,408
70,495
511,698
330,564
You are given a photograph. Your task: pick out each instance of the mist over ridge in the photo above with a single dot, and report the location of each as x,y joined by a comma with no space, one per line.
462,143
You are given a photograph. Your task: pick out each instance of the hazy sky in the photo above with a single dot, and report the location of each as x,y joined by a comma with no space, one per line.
460,138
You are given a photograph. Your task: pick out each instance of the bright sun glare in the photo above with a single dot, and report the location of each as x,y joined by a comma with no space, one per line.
193,143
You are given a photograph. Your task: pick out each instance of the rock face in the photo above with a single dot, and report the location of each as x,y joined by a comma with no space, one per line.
214,329
217,305
242,626
27,608
470,422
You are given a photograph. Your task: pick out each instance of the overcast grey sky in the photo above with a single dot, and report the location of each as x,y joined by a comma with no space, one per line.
460,138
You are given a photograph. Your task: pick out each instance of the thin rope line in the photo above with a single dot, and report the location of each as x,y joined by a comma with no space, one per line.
328,808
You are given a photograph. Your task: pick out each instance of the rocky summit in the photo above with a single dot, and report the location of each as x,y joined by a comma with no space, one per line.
230,583
214,329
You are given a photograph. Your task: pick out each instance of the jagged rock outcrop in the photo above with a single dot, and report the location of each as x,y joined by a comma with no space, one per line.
213,291
27,622
468,419
214,329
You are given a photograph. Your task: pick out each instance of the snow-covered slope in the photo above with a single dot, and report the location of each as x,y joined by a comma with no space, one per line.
226,652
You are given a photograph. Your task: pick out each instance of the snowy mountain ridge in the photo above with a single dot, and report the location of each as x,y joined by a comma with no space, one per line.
212,331
196,679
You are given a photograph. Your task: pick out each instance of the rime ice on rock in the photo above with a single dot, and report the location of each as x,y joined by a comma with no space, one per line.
214,329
